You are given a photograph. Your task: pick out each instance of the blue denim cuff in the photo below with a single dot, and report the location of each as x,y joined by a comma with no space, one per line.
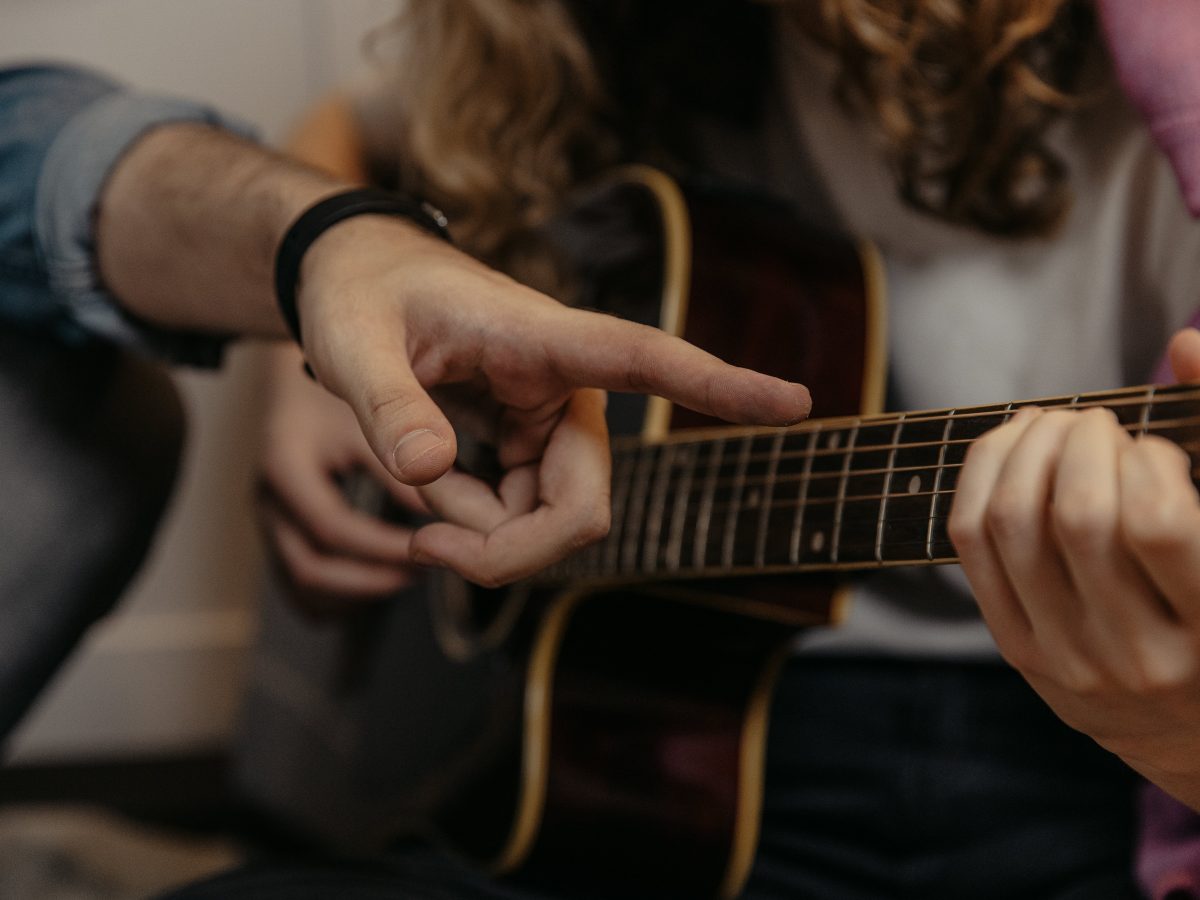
72,176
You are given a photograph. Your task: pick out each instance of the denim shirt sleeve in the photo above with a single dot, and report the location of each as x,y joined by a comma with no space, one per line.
61,133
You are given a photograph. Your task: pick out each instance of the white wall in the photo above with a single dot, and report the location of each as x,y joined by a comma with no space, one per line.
164,673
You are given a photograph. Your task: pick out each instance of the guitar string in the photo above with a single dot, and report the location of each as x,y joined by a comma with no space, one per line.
807,432
872,501
1157,425
837,451
749,542
747,545
789,477
852,505
808,556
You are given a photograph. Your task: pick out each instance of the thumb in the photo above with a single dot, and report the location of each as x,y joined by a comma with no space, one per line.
1184,353
404,427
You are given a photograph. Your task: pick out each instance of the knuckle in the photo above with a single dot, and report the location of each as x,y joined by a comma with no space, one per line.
1007,514
966,532
1156,526
1056,419
389,403
1081,679
1156,672
986,448
1065,668
640,369
1084,521
1162,451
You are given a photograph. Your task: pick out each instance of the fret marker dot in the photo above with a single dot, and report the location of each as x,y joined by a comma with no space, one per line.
753,498
914,484
834,440
818,542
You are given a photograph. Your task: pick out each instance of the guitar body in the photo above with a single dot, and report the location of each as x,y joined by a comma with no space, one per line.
617,736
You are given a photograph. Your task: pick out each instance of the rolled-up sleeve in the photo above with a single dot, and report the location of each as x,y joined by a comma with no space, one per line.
61,133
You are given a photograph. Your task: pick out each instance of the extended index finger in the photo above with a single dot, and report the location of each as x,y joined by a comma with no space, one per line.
591,349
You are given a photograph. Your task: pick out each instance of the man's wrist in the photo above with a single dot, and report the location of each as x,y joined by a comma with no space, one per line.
327,214
371,252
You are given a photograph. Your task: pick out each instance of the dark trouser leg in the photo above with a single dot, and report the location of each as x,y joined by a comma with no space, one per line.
90,440
885,780
892,779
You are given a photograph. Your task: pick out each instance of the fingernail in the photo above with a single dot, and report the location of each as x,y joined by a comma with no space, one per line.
415,445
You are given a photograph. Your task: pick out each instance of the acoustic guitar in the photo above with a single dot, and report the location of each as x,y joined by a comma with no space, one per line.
603,726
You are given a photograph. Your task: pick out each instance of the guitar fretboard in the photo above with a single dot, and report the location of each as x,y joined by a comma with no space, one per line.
833,494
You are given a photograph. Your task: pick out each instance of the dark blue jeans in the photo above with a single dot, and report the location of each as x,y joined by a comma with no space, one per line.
897,779
90,439
886,779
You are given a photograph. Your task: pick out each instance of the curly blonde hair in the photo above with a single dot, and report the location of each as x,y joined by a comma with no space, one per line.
500,110
962,92
507,104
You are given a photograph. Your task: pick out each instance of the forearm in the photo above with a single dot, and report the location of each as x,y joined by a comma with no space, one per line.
188,225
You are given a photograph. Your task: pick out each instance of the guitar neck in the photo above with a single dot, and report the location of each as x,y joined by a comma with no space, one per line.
834,494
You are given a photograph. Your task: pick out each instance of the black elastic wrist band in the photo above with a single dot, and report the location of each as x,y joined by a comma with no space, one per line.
322,216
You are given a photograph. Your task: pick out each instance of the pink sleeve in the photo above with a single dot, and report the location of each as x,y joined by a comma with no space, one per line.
1168,848
1156,47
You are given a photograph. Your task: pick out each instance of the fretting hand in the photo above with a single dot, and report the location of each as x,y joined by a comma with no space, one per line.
1082,545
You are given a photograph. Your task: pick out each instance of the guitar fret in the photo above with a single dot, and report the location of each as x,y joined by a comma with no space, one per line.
785,464
633,527
937,484
914,469
821,500
658,502
622,475
1146,408
866,478
679,512
760,546
802,497
841,496
704,520
1173,419
754,502
735,502
887,488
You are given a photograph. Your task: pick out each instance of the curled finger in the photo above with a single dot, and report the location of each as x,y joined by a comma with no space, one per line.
573,508
969,532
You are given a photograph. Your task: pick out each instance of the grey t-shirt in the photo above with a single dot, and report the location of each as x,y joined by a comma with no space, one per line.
976,319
